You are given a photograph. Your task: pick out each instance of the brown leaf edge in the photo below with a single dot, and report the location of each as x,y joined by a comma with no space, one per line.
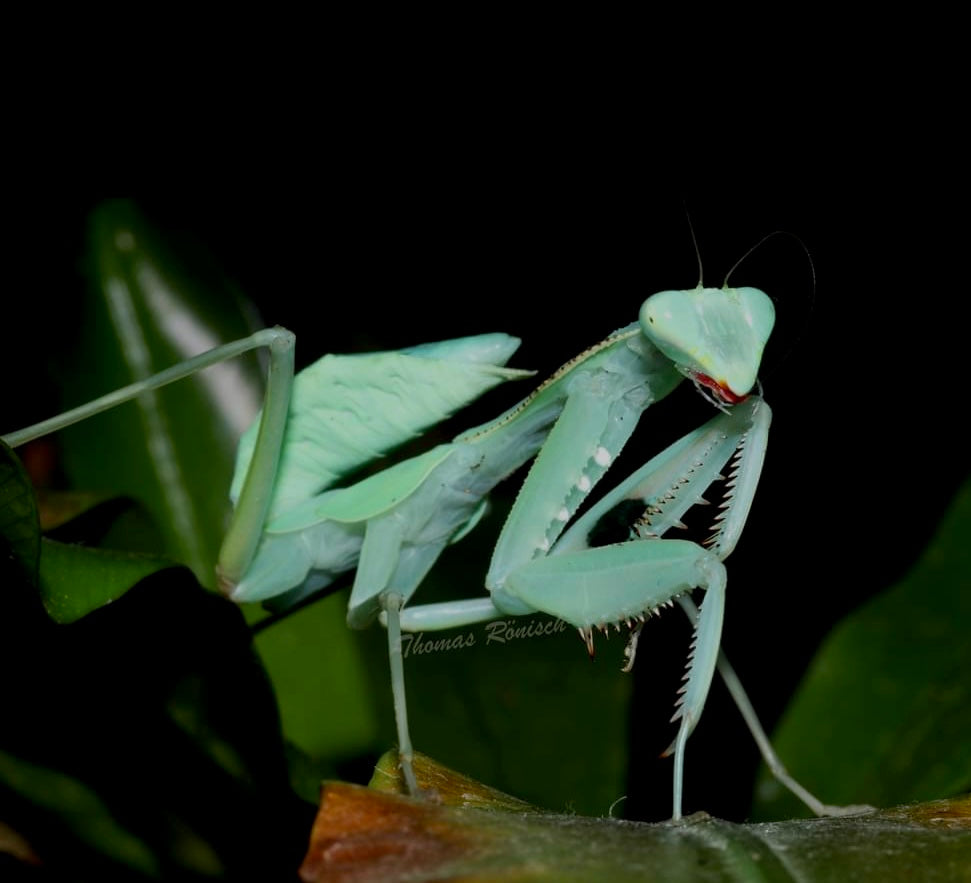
463,830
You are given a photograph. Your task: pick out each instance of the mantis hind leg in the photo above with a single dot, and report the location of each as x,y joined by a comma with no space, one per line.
392,603
249,516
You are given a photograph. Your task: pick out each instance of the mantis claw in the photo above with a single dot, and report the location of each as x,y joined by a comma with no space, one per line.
630,651
586,635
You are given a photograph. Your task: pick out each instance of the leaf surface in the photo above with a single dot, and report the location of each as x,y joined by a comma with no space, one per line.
884,713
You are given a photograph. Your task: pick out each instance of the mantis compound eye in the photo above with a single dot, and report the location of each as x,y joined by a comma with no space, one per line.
715,336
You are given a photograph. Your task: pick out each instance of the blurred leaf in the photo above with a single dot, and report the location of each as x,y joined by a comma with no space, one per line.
152,304
59,508
15,847
321,683
364,834
143,739
884,714
18,512
108,523
78,807
67,516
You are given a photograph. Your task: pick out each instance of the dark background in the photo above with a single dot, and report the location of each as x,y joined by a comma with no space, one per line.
865,372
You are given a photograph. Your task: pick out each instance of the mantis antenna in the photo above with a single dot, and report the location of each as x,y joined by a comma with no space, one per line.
694,241
812,276
768,236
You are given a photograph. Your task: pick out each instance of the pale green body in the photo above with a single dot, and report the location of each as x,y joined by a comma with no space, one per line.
411,511
293,533
395,524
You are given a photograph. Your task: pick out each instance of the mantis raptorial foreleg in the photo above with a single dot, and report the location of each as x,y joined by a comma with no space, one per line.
771,759
593,404
591,585
595,586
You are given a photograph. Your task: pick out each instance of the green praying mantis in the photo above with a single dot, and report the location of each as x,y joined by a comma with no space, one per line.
293,532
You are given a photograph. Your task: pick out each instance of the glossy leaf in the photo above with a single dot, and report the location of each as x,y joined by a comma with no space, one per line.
151,305
885,711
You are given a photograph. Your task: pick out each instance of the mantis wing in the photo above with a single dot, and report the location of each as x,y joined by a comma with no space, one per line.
309,545
348,410
365,500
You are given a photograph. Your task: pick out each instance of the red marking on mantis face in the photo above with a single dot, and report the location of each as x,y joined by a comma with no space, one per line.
719,389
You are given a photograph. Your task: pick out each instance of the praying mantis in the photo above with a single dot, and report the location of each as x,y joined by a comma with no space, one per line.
290,535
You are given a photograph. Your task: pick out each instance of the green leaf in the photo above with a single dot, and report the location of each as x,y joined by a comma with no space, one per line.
152,303
74,580
322,688
884,713
71,579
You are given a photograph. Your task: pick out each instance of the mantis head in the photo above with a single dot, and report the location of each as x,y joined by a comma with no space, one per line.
714,336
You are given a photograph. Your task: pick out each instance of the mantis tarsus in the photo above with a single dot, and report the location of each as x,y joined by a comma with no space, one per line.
292,534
